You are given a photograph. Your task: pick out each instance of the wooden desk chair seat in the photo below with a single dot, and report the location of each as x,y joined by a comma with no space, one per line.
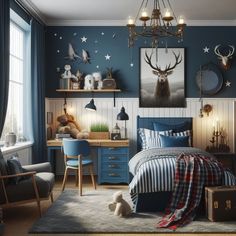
74,151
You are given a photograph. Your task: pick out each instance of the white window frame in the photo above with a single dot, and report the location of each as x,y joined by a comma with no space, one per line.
26,131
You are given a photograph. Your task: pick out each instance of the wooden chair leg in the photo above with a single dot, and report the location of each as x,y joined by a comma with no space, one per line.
51,196
64,179
37,195
77,178
92,176
80,169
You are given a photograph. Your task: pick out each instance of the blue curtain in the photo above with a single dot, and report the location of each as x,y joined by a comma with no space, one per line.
4,59
38,91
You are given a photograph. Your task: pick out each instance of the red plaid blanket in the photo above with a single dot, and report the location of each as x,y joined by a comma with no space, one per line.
192,173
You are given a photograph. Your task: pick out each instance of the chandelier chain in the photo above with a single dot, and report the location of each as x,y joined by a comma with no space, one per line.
172,10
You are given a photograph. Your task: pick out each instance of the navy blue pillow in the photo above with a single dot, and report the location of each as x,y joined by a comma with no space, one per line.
174,141
158,126
14,167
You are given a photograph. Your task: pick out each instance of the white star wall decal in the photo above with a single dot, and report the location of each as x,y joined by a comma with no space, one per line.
228,83
108,57
84,39
206,49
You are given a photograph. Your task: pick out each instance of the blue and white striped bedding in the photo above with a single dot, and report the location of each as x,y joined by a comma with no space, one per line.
154,169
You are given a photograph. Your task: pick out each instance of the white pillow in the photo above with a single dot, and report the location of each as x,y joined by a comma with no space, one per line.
151,138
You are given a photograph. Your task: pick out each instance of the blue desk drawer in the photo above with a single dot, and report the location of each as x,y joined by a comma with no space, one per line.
121,166
114,176
114,158
114,150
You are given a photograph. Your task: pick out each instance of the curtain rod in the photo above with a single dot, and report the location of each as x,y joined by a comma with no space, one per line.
29,11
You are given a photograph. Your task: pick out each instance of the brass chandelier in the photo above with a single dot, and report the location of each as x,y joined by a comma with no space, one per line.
162,23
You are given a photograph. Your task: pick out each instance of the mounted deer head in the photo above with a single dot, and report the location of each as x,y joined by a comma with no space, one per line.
162,87
224,58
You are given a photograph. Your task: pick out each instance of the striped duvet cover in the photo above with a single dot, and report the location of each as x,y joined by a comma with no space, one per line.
154,169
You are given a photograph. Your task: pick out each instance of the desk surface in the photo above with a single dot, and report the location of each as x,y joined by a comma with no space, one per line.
94,142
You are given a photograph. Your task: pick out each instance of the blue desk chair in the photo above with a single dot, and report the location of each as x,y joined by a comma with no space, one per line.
74,150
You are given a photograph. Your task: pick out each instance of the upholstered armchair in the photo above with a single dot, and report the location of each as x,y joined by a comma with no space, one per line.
33,183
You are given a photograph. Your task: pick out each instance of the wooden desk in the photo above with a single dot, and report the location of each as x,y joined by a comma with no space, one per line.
94,143
112,156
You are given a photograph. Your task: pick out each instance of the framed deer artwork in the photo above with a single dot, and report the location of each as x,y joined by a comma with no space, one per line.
162,82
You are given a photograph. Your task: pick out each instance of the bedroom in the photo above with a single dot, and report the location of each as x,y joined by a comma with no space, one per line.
105,40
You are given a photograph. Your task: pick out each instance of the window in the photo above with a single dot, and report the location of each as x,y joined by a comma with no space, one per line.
14,121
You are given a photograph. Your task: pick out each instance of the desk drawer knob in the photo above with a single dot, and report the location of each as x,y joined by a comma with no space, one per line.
113,175
112,158
113,166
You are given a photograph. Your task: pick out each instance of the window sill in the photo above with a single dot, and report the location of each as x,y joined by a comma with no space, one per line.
16,147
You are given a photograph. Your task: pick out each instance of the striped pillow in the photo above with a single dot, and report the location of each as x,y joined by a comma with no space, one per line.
151,138
185,133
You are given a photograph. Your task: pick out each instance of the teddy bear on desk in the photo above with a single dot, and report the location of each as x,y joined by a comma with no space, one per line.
68,125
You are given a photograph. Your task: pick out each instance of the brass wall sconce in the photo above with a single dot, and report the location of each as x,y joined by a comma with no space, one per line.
207,108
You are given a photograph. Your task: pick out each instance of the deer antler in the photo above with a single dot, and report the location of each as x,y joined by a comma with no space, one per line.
177,61
231,52
148,60
168,68
217,52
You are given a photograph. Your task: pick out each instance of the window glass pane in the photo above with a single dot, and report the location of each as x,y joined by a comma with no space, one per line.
16,41
16,70
14,116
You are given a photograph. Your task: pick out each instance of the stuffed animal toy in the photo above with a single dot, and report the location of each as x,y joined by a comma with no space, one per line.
119,205
68,125
88,82
67,73
98,80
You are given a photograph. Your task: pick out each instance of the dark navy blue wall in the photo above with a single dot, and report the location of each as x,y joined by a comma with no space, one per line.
113,41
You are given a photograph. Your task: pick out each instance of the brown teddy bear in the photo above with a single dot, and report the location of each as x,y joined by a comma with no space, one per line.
68,125
119,205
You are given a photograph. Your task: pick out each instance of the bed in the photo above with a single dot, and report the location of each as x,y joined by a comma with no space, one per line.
153,167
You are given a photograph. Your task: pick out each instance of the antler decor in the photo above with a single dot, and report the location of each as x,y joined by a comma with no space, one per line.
225,58
168,68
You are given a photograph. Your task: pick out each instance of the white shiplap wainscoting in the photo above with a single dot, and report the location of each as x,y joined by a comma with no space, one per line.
223,109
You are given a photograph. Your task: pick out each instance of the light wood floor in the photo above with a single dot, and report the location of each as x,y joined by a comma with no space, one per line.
19,219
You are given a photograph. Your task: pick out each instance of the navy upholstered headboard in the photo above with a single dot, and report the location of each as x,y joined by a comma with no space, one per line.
147,122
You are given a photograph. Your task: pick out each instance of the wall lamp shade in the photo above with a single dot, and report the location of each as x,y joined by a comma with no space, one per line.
122,115
91,106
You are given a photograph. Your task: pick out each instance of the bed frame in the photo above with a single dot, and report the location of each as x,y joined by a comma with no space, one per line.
152,202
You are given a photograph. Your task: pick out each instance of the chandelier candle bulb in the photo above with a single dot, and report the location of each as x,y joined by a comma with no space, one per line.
130,21
144,13
181,20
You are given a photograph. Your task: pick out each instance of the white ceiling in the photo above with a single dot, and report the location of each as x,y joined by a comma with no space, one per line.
116,12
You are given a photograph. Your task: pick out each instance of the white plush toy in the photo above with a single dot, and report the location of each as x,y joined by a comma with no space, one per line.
98,79
67,74
88,82
119,205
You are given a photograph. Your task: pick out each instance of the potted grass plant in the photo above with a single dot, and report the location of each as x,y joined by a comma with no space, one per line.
99,131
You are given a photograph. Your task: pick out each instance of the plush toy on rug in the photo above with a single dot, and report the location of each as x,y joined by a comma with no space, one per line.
68,125
119,205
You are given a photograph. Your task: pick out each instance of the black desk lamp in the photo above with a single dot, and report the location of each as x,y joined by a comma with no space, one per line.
123,116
